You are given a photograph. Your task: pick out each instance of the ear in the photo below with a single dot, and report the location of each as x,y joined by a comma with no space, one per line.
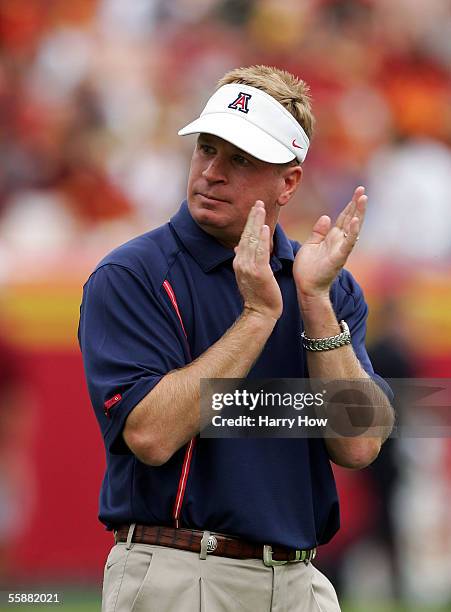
291,179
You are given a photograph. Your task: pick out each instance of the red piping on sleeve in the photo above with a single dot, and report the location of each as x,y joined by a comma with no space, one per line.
182,482
189,449
171,294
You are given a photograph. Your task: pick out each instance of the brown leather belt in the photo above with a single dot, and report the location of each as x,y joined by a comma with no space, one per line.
212,544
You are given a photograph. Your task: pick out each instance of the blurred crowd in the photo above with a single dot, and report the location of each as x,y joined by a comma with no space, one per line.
92,93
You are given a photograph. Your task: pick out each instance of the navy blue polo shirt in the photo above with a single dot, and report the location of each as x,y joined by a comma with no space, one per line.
278,491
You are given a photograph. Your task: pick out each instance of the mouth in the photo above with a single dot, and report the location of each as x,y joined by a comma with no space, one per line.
212,199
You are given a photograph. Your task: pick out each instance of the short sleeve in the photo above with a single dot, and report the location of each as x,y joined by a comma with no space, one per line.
350,306
129,339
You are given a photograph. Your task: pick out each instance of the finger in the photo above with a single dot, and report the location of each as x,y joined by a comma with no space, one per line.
358,193
351,237
263,248
251,235
319,230
255,237
247,232
354,229
249,224
348,212
348,209
342,216
361,208
249,228
359,214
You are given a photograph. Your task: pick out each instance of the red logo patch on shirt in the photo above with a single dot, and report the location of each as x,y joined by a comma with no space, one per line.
111,402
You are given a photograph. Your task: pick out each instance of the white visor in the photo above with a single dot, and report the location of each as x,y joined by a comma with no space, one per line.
253,121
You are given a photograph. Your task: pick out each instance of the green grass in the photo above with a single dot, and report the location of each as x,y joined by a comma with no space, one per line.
392,607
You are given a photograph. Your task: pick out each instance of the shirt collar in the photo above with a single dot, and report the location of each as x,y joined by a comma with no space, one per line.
209,253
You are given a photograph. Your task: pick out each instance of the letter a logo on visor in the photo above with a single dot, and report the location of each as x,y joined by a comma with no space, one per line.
241,103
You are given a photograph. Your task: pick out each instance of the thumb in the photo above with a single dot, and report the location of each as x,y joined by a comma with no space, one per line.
319,231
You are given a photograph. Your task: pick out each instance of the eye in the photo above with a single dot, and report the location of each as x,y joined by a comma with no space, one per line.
205,148
241,161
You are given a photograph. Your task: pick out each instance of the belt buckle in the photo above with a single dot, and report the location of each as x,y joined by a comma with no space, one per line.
300,555
267,557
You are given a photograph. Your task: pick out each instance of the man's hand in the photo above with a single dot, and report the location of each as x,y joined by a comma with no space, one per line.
169,415
325,252
256,282
316,265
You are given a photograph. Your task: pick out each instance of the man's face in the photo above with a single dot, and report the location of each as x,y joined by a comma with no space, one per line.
224,183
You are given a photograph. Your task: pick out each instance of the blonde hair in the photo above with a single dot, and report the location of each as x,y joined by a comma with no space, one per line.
290,91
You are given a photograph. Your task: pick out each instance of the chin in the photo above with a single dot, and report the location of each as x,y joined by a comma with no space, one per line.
208,216
215,224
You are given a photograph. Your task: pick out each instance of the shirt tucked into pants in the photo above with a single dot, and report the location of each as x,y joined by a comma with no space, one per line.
147,578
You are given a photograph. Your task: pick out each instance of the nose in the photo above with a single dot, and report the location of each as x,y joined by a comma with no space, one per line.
214,171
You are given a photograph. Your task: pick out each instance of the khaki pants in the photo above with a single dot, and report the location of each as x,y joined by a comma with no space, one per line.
145,578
